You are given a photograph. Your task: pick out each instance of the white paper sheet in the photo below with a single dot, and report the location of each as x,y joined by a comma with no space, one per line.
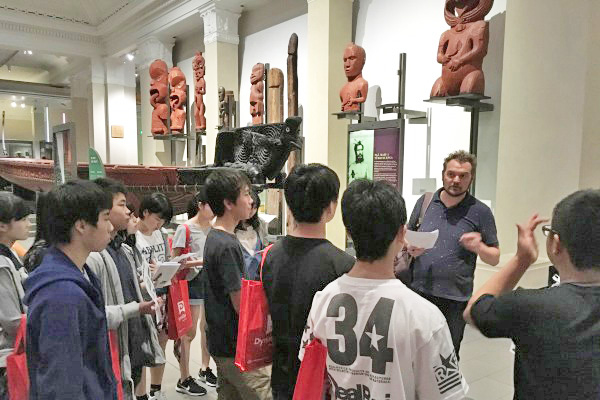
182,257
152,292
425,240
164,273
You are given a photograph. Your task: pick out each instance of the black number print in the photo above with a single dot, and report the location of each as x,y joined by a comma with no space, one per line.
373,342
343,328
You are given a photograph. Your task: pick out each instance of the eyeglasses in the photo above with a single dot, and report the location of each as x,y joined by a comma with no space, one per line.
547,230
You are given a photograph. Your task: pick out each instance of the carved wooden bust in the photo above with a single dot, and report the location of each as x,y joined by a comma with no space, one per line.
355,91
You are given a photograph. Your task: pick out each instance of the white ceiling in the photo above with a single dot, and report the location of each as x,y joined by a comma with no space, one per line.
88,12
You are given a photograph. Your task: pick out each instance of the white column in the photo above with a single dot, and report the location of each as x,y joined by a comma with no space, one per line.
221,42
38,124
97,108
155,152
80,85
329,31
121,110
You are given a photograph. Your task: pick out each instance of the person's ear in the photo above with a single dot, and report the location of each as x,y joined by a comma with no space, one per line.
330,211
228,204
145,214
4,227
556,247
399,239
80,226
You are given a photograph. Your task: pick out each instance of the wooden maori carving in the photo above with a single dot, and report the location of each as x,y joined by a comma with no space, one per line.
223,111
178,98
275,96
355,91
199,65
158,96
462,48
257,94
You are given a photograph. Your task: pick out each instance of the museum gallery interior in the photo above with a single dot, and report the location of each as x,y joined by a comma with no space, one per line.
158,94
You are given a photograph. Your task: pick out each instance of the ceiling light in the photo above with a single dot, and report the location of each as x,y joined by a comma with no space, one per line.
29,52
130,56
22,105
13,97
136,75
22,97
13,104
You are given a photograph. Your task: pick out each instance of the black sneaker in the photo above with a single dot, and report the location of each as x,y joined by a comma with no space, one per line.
190,387
208,377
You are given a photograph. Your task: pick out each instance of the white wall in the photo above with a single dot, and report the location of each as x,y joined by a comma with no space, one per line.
386,28
270,46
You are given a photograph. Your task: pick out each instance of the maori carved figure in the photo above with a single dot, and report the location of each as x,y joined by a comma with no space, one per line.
178,98
198,65
257,93
462,48
223,112
292,75
355,91
158,96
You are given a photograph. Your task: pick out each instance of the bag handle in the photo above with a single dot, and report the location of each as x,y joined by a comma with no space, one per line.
20,338
424,207
188,239
264,257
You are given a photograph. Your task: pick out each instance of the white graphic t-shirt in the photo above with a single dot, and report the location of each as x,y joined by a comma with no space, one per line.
197,238
384,342
152,246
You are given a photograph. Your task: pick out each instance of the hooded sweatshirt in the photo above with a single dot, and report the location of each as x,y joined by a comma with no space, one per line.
11,307
67,346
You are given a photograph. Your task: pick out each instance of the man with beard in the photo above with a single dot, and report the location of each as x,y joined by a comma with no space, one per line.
444,274
358,169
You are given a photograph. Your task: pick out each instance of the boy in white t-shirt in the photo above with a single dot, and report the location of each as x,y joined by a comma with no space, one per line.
383,340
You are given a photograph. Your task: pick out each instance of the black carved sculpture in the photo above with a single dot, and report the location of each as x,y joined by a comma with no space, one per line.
260,151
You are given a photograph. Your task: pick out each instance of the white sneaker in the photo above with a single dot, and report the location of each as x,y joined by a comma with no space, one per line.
160,395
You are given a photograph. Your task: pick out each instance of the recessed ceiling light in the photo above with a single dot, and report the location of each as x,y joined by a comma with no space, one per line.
22,105
22,97
29,52
13,104
130,56
13,97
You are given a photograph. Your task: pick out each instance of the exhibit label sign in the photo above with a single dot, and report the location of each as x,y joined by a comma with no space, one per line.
373,154
96,167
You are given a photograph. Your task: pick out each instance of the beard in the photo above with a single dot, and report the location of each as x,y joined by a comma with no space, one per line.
454,193
360,158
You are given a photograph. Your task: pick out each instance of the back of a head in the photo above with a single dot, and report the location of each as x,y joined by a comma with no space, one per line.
111,186
373,213
12,208
157,203
225,184
576,219
309,190
73,201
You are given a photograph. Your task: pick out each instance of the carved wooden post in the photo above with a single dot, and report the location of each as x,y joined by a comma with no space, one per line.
292,86
275,96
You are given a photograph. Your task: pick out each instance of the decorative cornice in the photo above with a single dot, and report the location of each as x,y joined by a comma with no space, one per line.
151,49
47,32
219,25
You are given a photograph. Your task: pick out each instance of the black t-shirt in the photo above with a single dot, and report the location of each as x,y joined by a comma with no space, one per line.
557,336
223,266
295,269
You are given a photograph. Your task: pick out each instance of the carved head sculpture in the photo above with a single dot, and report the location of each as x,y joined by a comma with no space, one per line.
354,60
221,93
258,73
158,81
465,11
178,83
199,66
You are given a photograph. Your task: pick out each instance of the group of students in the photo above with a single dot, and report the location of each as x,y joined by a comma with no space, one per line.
383,340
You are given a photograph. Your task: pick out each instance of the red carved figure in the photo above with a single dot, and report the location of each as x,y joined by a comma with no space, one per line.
463,48
158,96
178,98
355,91
257,94
198,66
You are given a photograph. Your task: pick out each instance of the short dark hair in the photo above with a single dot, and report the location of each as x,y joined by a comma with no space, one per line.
373,213
71,202
12,208
111,186
200,197
253,221
462,157
309,190
157,203
576,220
224,184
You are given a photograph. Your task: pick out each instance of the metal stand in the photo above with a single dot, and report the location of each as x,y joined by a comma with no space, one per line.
472,103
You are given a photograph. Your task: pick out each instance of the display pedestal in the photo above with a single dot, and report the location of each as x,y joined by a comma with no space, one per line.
472,103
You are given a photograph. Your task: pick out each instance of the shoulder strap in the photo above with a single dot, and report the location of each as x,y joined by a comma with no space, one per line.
19,346
188,240
264,257
424,206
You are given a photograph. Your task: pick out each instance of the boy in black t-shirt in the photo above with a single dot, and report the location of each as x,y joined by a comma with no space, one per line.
299,265
228,194
556,330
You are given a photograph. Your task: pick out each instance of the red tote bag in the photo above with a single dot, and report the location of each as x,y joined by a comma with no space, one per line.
255,329
179,315
16,366
311,377
113,340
